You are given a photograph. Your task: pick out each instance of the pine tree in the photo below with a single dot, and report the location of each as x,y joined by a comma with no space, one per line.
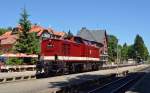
69,35
25,41
35,44
140,48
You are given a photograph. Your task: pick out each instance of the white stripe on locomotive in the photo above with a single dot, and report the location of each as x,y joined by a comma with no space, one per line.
70,58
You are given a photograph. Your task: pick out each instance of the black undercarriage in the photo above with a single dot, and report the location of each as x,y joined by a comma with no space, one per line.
51,68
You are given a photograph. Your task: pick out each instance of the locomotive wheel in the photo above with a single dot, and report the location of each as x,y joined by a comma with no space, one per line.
79,68
94,67
46,71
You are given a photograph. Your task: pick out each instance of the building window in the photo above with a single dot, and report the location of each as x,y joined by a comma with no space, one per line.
45,35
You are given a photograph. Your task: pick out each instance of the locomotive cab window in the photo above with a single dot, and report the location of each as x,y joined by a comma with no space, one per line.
45,35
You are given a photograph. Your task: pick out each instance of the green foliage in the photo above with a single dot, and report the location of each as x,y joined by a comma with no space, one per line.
136,51
146,53
3,30
112,47
139,48
131,52
34,60
124,52
148,60
24,22
22,45
35,44
14,61
28,42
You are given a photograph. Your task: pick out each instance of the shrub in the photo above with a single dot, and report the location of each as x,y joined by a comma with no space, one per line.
14,61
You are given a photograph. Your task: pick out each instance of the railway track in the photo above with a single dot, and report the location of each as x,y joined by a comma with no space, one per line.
120,85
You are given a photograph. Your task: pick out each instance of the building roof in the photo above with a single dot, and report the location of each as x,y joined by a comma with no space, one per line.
8,33
61,34
9,40
36,28
39,30
5,35
92,35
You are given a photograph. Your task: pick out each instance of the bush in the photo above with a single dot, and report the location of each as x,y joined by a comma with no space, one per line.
14,61
29,61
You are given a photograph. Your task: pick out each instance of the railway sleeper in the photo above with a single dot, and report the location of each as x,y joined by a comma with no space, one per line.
128,84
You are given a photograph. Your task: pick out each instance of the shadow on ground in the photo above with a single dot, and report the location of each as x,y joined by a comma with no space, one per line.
81,83
143,86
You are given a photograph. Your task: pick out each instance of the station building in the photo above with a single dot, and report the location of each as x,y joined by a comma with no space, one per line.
99,36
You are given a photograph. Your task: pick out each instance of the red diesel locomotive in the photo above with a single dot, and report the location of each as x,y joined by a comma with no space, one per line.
68,56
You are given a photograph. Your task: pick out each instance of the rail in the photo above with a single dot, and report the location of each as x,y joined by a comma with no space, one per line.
120,85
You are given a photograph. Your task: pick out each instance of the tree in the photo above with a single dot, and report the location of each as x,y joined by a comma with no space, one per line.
146,53
3,30
124,52
112,47
10,28
35,44
140,48
69,34
131,52
26,41
148,60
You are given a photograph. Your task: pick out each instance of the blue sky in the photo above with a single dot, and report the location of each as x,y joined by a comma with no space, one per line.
122,18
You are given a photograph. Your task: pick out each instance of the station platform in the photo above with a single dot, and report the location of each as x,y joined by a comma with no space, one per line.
53,84
13,74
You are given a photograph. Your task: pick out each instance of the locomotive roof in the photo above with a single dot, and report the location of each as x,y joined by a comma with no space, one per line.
77,37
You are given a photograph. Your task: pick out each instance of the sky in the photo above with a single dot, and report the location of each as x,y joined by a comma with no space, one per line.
122,18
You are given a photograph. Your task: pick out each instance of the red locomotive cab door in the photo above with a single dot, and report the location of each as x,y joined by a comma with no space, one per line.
65,52
83,53
66,49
